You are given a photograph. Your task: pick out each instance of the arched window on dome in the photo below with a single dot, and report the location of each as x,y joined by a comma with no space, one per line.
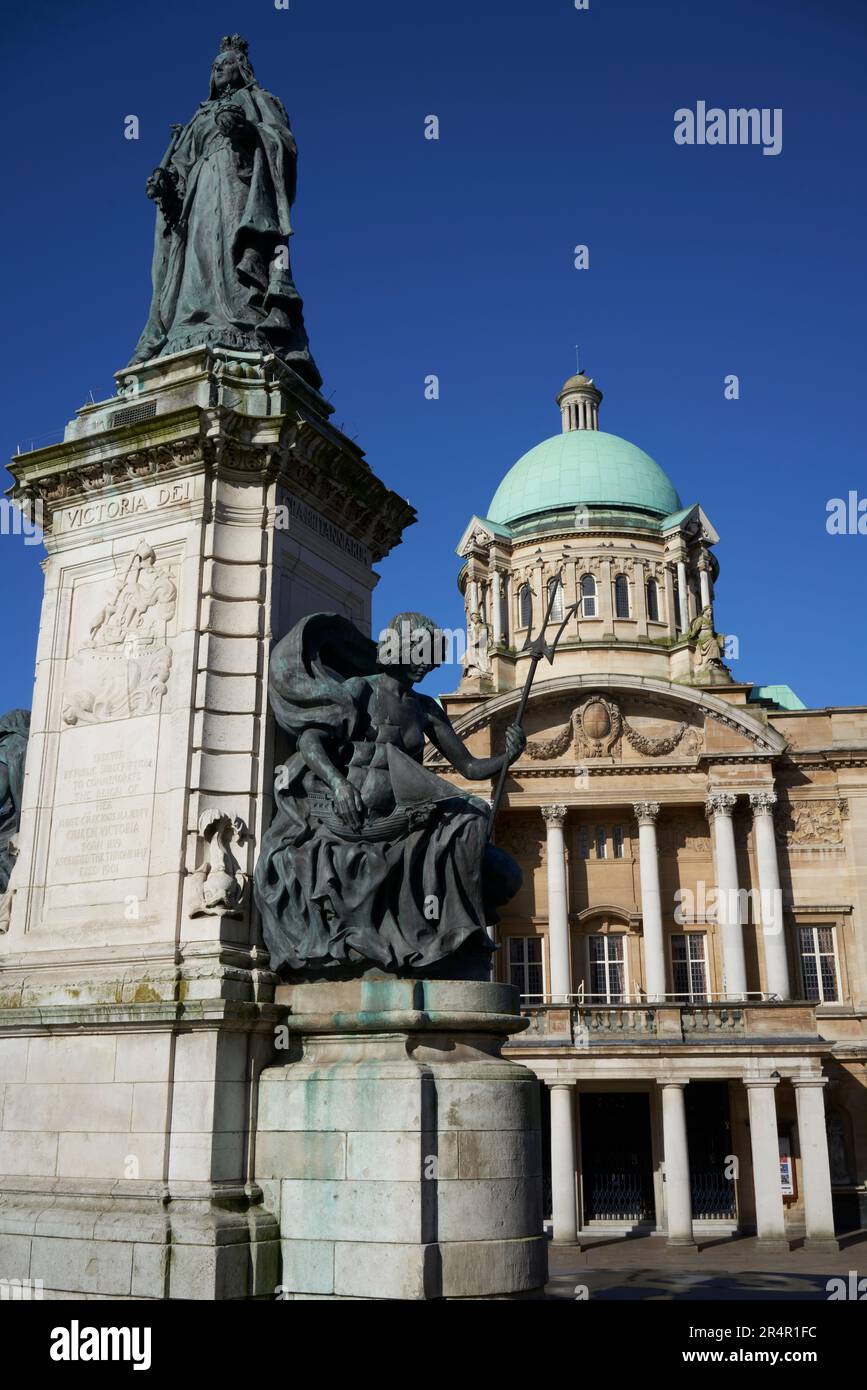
588,596
525,606
555,587
621,596
653,600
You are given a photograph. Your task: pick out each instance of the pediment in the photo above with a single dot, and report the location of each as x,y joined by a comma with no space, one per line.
627,720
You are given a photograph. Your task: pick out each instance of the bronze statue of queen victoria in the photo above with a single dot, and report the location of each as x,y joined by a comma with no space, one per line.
372,862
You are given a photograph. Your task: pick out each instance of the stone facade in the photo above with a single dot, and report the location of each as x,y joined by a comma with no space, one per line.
690,937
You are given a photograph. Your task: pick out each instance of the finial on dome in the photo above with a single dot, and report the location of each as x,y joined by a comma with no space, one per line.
579,401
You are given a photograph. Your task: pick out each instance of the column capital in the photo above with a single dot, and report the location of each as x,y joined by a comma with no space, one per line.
720,804
763,803
669,1083
755,1082
818,1081
646,812
555,815
561,1085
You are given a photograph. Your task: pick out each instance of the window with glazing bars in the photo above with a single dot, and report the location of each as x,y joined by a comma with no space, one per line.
607,967
555,588
689,965
525,606
819,964
525,966
653,600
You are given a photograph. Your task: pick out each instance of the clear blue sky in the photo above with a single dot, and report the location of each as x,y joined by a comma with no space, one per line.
455,257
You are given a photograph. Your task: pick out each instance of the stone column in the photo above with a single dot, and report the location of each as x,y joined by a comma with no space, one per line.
773,929
815,1165
646,813
678,1193
639,597
670,601
564,1208
507,608
765,1146
496,607
558,906
719,808
682,595
704,580
606,599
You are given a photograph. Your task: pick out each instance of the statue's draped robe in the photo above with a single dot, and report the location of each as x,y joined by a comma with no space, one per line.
232,201
329,902
14,732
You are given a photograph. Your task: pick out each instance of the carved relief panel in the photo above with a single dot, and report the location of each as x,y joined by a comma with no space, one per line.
122,668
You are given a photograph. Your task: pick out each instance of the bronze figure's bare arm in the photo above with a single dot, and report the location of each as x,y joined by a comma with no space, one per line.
444,738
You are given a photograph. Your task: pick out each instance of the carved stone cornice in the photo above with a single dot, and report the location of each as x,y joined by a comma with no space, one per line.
720,804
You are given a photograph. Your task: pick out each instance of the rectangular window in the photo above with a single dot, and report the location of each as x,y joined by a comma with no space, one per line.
525,967
618,842
819,964
689,966
601,848
607,967
584,842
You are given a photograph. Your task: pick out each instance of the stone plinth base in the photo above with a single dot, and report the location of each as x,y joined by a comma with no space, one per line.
400,1151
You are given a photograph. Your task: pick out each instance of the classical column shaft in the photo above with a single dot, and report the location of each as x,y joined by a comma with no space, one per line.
646,813
815,1165
720,806
765,1145
558,906
563,1205
496,607
678,1194
704,581
682,604
773,931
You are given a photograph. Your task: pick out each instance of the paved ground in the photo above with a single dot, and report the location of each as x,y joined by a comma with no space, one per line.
734,1268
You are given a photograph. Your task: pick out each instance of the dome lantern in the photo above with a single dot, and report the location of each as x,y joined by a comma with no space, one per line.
579,402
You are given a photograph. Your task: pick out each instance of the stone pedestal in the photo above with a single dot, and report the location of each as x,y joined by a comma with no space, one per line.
400,1151
188,521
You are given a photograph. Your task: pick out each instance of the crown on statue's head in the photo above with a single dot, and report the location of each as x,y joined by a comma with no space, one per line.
235,43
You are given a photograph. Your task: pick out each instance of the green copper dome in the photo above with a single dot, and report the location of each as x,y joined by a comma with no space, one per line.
583,468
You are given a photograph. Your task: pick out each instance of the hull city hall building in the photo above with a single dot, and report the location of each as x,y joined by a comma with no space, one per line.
689,941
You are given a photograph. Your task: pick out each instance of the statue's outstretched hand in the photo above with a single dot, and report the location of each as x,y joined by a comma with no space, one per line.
348,805
516,742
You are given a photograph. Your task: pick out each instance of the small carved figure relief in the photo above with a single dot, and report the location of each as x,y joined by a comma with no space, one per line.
219,885
811,822
123,668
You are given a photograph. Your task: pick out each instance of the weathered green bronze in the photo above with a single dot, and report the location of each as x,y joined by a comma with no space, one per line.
223,192
14,733
372,862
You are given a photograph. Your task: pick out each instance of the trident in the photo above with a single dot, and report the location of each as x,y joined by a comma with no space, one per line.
537,647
